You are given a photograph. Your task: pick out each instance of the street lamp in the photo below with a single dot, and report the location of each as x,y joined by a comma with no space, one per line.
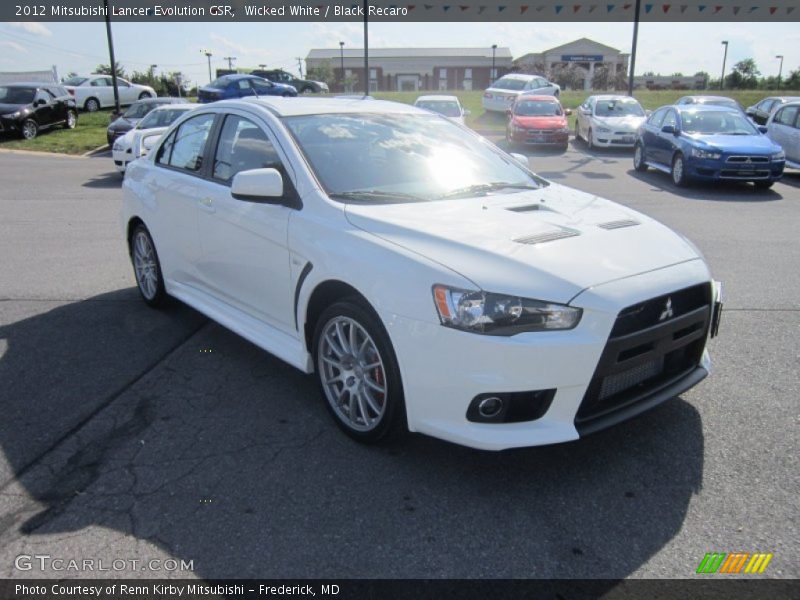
341,56
262,66
494,72
780,69
153,71
724,58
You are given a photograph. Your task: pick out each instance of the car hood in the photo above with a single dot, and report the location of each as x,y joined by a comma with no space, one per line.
551,122
629,123
759,144
11,108
123,124
495,247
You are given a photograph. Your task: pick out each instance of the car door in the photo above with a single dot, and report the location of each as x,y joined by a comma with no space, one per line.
60,101
263,88
44,107
127,93
245,260
103,90
664,143
177,185
584,113
784,131
243,88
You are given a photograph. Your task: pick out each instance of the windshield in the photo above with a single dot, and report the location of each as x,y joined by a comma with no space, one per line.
138,109
716,122
16,95
74,81
537,108
618,108
402,157
509,83
448,108
160,118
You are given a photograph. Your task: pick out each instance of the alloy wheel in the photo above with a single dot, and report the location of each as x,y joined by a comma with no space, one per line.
71,120
352,373
145,265
29,130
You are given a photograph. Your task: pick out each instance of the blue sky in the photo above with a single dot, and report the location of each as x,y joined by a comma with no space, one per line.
663,47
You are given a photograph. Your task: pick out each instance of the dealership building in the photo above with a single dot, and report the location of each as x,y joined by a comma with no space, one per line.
413,69
584,53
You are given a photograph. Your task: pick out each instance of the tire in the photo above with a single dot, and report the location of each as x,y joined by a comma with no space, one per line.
638,158
556,93
577,131
30,129
678,171
307,90
146,267
72,120
145,95
589,139
91,105
763,185
287,94
367,370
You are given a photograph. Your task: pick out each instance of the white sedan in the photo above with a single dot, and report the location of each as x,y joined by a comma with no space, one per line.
93,92
609,121
448,106
500,96
428,279
129,146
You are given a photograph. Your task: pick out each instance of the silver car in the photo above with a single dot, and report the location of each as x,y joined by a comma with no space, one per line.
609,121
783,128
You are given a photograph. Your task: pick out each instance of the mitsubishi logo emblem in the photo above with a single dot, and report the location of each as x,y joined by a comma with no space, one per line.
667,312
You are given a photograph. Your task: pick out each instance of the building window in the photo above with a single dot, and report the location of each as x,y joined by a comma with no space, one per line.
373,73
467,73
442,79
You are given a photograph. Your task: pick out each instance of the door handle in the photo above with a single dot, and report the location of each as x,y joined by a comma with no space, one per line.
207,204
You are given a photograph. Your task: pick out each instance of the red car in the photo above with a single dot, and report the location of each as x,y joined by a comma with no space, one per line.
538,120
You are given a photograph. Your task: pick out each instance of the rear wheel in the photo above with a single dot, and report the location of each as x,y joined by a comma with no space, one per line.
763,185
638,158
307,90
145,95
29,129
91,105
678,170
146,267
357,371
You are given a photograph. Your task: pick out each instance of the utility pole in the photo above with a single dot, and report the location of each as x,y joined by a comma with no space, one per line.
724,58
366,52
493,74
208,56
780,70
113,60
633,47
300,66
230,60
341,55
262,66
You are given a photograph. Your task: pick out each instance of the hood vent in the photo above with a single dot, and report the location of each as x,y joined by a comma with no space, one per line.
524,208
547,236
619,224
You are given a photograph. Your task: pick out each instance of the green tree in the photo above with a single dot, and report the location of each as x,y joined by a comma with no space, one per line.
744,75
324,73
106,69
601,78
792,81
568,76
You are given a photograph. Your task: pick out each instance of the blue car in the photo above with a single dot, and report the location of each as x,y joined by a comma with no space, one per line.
228,87
706,142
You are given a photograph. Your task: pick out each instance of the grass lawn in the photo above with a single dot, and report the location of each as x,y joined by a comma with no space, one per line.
91,130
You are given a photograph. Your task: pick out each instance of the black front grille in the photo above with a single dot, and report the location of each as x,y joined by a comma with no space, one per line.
652,345
748,159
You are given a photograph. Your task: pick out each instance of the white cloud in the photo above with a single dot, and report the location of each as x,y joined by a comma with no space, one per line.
14,46
246,51
33,28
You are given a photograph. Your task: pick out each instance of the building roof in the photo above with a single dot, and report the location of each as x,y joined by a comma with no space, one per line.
480,52
582,40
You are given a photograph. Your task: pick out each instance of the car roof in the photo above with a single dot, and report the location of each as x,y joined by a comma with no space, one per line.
233,76
703,97
542,97
440,97
705,108
290,107
176,105
523,76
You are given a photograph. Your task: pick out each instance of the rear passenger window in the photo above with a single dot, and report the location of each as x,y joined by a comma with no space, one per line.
184,148
787,115
242,146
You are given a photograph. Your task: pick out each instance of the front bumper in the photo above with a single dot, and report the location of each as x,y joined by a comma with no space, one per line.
614,139
468,365
539,137
723,170
121,159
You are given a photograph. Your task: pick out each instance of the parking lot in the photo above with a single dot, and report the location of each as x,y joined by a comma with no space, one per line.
128,433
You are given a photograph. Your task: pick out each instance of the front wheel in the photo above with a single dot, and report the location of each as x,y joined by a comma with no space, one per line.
357,371
638,158
72,119
678,170
146,267
590,139
145,95
29,129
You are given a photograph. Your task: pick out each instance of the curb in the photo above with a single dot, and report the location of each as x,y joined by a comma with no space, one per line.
97,150
39,153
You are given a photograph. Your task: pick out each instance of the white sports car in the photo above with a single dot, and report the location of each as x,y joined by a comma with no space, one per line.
609,121
93,92
129,147
426,278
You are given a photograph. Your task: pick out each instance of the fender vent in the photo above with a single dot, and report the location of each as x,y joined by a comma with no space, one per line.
547,236
524,208
619,224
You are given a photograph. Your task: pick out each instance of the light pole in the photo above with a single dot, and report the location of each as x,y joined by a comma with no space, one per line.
366,52
494,72
341,56
153,72
113,60
262,66
208,56
780,69
724,58
634,45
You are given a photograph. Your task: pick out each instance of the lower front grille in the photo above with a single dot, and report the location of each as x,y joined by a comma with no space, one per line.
637,362
744,174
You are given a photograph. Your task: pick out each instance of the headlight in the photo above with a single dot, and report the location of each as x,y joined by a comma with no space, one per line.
498,314
697,153
117,146
779,155
13,115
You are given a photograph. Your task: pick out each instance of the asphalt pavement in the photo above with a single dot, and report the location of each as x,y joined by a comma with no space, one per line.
134,434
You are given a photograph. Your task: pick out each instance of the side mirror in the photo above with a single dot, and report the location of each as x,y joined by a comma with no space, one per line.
40,102
568,112
669,129
258,185
762,128
521,159
147,142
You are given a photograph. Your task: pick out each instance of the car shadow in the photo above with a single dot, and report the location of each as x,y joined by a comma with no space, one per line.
223,455
721,191
111,179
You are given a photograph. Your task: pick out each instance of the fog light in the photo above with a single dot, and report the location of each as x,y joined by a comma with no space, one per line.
490,407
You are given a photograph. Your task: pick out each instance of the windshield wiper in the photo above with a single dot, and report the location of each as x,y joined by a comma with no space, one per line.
366,195
484,188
